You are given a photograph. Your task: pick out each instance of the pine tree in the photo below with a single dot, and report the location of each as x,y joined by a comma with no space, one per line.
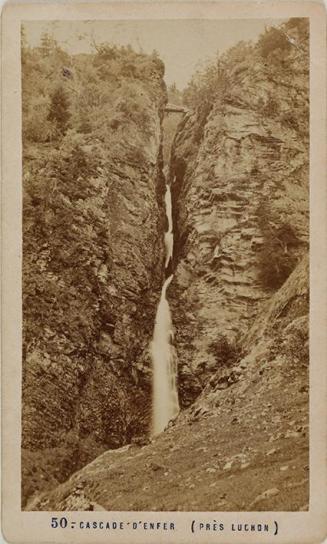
59,109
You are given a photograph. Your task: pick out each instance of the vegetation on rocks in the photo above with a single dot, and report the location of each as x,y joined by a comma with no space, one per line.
277,258
226,352
93,253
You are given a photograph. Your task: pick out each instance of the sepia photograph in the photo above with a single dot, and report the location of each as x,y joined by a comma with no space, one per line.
165,265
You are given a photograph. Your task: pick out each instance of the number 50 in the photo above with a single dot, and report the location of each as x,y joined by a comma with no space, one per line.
61,523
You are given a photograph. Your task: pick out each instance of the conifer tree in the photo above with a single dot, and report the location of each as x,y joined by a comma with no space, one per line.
59,109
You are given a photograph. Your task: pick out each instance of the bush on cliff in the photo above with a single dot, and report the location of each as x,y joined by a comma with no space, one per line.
277,258
59,110
225,351
84,91
217,78
273,40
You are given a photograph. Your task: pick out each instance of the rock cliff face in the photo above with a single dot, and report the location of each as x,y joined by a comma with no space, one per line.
239,177
93,269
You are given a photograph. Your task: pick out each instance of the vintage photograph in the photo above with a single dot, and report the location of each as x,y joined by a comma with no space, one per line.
165,265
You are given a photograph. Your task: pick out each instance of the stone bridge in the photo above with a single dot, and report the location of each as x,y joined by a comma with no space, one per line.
172,108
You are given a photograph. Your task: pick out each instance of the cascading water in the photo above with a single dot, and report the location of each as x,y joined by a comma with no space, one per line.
165,404
169,239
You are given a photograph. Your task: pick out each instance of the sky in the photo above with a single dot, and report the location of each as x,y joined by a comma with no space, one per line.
183,44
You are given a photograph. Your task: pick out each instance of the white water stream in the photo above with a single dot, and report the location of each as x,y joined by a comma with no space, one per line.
165,404
169,237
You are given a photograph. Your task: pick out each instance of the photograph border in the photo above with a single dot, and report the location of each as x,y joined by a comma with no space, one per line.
32,527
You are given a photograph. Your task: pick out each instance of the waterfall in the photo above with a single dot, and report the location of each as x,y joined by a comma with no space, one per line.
169,240
165,404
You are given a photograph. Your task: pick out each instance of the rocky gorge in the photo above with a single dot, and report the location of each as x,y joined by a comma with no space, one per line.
239,294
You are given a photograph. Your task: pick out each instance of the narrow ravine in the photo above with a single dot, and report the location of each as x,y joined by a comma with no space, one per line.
165,405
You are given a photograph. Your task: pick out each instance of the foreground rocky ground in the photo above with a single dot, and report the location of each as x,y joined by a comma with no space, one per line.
230,459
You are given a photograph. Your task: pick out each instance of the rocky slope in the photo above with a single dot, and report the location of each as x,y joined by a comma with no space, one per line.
93,262
239,175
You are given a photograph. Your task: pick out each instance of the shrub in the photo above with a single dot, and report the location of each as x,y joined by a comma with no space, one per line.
203,113
226,352
277,260
273,39
290,120
275,266
59,109
301,24
271,107
37,128
135,155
